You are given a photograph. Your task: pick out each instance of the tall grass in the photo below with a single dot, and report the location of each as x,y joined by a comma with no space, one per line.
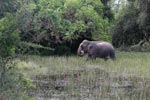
126,78
128,63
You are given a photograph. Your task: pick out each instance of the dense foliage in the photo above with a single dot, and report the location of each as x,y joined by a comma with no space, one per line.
62,25
57,23
133,23
13,84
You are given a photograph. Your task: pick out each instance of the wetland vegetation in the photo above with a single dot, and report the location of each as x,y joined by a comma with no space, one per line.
74,78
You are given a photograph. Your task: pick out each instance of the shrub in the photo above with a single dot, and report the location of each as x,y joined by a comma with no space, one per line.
12,83
62,50
126,31
9,36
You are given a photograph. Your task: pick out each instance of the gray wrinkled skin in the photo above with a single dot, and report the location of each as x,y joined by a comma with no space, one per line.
96,49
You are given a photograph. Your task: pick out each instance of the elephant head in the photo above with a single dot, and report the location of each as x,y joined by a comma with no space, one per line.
83,47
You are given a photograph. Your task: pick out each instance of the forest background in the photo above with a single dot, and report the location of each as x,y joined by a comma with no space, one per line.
60,25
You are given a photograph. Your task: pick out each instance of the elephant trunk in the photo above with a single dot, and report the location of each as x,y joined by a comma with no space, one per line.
80,52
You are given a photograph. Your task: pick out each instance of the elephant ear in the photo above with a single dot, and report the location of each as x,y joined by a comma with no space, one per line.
85,43
90,49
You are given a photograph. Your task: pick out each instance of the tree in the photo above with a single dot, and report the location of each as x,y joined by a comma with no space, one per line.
9,36
132,23
53,23
10,77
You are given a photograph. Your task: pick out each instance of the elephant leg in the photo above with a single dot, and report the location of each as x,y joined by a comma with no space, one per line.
92,57
88,57
106,58
91,53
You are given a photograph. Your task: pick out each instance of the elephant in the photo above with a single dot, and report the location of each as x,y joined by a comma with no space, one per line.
94,49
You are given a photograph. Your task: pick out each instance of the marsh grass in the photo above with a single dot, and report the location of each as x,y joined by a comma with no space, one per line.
74,78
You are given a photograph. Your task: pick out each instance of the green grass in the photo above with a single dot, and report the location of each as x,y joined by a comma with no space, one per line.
127,63
94,79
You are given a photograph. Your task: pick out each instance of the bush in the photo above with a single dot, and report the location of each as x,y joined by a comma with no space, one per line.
33,49
126,31
56,22
62,50
12,83
9,36
145,47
